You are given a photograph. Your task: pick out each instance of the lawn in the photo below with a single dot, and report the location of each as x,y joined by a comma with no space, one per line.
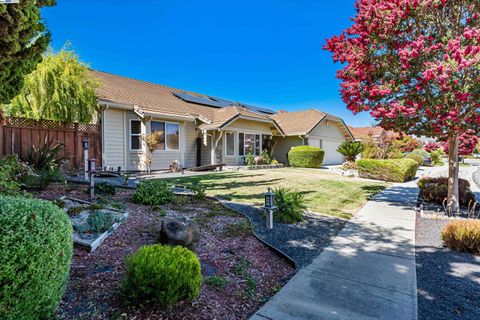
325,193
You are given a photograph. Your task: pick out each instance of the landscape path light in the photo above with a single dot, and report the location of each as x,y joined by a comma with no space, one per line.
269,207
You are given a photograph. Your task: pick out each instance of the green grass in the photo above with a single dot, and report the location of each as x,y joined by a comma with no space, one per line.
325,193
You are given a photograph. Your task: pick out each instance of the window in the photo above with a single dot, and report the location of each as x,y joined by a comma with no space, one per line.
159,127
135,135
169,135
267,142
230,141
257,144
241,145
249,143
173,136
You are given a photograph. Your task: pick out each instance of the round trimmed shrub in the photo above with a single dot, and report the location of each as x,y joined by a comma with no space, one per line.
305,157
162,274
35,255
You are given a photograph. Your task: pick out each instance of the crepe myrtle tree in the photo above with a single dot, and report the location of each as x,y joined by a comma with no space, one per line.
466,144
414,65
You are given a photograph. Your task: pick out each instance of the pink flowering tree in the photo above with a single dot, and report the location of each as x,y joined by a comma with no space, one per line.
414,65
466,144
432,146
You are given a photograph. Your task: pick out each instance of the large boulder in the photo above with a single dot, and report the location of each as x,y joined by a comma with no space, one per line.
179,231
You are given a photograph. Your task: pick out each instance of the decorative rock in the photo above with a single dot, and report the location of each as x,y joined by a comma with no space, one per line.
179,231
258,160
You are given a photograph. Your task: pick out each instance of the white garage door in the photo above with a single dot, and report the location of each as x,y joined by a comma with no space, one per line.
331,154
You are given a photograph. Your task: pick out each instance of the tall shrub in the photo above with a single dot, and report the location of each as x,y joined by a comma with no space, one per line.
35,254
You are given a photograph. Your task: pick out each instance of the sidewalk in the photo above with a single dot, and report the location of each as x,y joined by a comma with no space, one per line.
367,272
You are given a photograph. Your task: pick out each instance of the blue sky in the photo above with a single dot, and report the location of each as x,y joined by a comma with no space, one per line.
266,53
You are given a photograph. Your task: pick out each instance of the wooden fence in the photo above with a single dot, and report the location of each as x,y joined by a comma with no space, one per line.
18,134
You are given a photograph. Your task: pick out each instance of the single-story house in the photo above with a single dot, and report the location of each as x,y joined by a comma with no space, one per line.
198,129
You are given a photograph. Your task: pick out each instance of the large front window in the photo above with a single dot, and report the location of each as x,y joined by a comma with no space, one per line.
169,135
249,143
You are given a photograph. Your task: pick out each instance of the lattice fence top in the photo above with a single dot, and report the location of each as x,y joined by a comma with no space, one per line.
50,124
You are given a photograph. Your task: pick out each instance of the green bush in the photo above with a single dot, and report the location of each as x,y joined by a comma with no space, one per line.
290,206
394,170
162,274
98,221
11,172
305,157
41,179
266,159
199,191
463,235
249,159
418,158
35,255
153,193
350,149
436,190
105,188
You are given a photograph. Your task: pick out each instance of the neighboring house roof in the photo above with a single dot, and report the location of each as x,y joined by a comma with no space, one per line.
303,122
360,133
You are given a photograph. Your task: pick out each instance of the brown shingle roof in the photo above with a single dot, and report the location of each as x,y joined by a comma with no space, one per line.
299,122
155,98
373,132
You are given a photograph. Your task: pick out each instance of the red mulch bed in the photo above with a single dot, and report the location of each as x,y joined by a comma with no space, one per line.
254,272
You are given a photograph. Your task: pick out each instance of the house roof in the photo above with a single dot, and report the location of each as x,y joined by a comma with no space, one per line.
159,99
373,132
298,122
154,99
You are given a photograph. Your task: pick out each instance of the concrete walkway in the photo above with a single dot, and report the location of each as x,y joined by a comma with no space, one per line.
368,271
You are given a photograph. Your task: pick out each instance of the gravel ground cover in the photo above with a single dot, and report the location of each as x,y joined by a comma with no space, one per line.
251,272
302,241
448,281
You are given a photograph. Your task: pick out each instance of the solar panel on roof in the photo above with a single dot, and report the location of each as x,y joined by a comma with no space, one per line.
199,100
219,102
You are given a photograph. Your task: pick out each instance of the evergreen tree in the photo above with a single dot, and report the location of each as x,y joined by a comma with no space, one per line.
23,39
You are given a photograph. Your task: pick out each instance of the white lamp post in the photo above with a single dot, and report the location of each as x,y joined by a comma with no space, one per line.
85,157
269,207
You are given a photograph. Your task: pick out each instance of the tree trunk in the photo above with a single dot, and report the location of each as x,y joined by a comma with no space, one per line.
452,198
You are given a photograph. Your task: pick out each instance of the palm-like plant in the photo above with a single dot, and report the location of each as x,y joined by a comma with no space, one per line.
350,149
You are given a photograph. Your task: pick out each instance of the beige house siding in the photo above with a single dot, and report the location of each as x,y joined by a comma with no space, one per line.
113,127
191,136
161,159
206,151
328,136
283,145
327,130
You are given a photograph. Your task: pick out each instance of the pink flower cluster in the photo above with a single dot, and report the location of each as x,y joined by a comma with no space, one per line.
466,144
401,64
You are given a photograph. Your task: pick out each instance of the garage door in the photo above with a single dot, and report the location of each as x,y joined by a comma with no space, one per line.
331,154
